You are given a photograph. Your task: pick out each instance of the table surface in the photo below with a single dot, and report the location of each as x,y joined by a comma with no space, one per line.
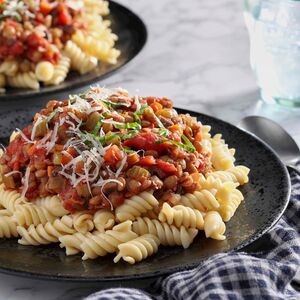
197,55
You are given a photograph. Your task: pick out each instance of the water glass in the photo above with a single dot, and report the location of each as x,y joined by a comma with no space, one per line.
274,30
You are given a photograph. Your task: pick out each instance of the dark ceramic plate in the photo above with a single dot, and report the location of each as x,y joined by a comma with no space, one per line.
266,197
132,35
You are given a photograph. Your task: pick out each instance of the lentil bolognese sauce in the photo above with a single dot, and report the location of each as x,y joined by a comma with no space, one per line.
101,147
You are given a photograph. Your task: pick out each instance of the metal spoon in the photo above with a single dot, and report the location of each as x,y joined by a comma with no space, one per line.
274,135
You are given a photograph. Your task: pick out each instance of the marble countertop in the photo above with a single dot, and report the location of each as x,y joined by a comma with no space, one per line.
197,55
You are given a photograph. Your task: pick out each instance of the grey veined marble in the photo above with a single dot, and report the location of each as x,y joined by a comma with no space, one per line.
197,54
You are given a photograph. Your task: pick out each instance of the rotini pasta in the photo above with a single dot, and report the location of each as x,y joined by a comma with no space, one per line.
96,7
138,249
79,60
103,219
203,200
61,70
8,227
100,244
214,227
135,206
169,235
95,48
5,213
46,234
29,213
24,80
83,222
44,71
72,242
181,215
9,67
53,204
237,174
229,204
10,199
222,158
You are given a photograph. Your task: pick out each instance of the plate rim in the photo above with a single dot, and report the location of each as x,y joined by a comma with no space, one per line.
36,94
197,262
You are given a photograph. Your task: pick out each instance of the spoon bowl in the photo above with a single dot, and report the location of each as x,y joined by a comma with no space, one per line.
274,135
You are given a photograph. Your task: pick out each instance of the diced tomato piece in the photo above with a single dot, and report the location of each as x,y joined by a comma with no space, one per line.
64,17
166,166
147,161
144,141
34,40
156,106
16,49
113,155
45,8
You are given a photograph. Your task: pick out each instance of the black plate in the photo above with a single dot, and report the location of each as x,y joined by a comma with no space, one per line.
132,35
266,197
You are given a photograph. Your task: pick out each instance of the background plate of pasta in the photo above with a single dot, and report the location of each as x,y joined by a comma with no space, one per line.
111,186
51,46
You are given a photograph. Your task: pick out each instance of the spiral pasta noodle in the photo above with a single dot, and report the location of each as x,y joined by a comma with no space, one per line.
45,234
9,67
181,215
8,227
5,213
29,213
138,249
53,204
237,174
10,199
203,200
99,49
24,80
44,71
79,60
214,227
102,243
72,242
96,7
169,235
103,219
83,222
135,206
222,158
61,70
228,206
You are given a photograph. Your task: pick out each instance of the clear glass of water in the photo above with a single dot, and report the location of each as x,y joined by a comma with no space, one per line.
274,30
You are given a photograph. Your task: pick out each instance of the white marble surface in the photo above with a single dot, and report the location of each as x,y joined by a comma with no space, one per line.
197,54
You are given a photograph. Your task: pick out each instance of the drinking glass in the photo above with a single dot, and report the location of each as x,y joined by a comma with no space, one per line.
274,31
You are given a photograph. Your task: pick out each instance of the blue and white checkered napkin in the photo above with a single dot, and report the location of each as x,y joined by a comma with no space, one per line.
270,274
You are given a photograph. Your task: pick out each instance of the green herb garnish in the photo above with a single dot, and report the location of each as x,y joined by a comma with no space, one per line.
188,142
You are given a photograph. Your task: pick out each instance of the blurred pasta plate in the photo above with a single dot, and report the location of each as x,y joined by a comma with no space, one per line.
124,30
265,198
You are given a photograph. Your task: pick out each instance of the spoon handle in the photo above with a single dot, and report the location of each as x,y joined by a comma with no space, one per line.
294,169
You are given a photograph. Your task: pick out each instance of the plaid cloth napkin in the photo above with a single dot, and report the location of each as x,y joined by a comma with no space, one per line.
269,274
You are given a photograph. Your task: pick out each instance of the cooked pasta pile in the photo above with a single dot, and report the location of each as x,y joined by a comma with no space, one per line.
105,172
42,40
